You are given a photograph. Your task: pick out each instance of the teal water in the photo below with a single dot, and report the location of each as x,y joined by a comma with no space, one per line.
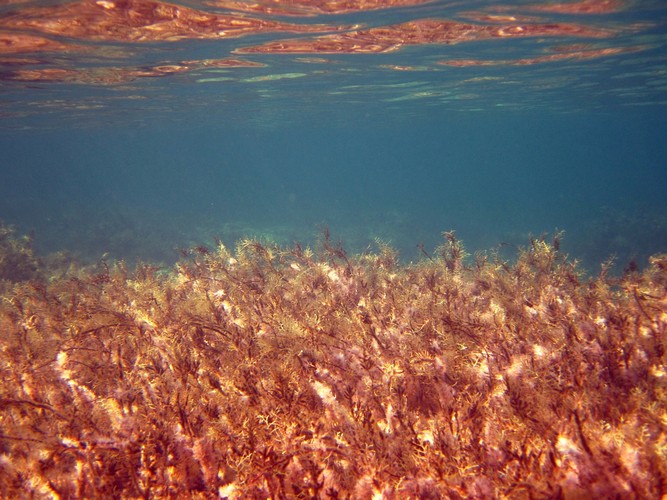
135,148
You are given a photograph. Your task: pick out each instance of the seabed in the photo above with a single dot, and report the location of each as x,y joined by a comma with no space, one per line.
273,372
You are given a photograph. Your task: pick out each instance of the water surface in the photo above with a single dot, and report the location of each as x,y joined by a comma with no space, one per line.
133,129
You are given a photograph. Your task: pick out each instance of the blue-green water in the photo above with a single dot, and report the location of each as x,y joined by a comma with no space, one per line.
395,146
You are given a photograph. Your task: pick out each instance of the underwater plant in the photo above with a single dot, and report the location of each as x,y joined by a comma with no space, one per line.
17,259
272,372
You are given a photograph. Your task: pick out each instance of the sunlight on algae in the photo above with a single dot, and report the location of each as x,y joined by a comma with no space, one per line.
272,372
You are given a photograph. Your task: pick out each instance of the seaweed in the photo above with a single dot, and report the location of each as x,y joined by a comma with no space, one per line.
291,372
17,259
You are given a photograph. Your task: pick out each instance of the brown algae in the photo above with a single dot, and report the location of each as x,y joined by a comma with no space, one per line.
272,372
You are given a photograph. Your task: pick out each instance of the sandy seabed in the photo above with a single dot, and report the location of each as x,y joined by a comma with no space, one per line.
272,372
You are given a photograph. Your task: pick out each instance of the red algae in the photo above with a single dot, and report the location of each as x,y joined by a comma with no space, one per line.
270,372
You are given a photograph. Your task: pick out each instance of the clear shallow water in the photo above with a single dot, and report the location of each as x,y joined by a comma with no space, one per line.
137,128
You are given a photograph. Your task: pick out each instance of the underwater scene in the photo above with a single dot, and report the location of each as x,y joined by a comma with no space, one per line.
357,249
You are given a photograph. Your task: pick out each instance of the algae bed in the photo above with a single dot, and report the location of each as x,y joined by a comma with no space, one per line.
272,372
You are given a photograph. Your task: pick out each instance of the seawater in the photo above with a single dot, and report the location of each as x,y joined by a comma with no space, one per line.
393,147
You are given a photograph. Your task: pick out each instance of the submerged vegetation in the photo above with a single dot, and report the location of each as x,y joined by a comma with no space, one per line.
17,259
287,372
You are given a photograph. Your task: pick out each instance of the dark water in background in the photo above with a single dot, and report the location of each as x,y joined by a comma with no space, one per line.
144,166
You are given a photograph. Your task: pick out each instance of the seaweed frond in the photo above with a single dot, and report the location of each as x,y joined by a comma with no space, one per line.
17,259
287,372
